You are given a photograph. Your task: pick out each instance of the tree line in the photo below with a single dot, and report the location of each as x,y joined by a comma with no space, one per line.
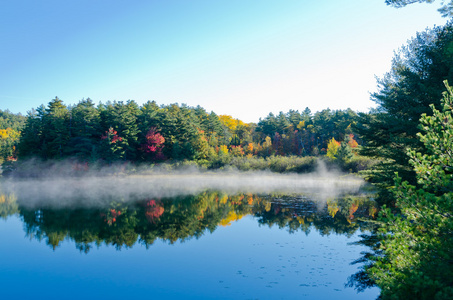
124,131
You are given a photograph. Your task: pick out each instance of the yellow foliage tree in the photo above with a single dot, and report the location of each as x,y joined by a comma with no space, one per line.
332,148
249,148
8,140
301,125
9,133
231,123
223,149
267,145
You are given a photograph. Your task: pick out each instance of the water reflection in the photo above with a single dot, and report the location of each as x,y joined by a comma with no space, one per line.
8,205
125,224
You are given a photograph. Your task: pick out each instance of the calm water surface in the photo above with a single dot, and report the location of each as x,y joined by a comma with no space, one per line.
208,246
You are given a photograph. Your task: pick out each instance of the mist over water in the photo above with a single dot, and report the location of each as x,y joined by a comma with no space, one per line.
58,188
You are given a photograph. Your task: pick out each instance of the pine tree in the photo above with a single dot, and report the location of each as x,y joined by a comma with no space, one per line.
112,148
344,153
123,119
55,129
405,93
418,243
85,131
30,141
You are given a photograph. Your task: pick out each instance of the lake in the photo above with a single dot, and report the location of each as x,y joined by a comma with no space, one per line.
199,244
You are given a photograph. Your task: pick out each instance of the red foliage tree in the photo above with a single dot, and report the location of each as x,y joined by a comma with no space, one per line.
352,143
154,143
112,136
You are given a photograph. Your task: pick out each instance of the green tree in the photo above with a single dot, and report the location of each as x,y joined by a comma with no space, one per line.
405,93
185,131
55,129
215,131
111,146
344,153
85,130
267,126
10,120
446,8
417,243
324,127
148,117
294,117
30,141
122,117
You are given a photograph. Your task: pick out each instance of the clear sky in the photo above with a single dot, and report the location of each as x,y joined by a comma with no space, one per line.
244,58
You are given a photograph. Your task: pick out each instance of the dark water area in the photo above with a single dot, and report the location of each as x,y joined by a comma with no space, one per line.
205,246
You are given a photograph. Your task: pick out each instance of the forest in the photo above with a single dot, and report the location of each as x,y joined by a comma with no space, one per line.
126,132
403,147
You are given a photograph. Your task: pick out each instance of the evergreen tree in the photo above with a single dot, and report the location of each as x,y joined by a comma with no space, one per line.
344,153
123,119
282,123
30,141
418,243
148,117
9,120
215,131
55,129
268,126
294,117
112,148
85,131
405,93
324,127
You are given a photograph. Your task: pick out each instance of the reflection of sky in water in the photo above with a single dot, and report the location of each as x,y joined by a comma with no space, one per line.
241,261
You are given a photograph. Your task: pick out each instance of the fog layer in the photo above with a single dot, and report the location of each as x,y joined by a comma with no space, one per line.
95,190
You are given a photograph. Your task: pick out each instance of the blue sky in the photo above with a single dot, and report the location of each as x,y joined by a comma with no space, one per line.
236,57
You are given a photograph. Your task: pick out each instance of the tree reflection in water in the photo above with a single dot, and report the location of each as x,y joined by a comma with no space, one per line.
175,219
